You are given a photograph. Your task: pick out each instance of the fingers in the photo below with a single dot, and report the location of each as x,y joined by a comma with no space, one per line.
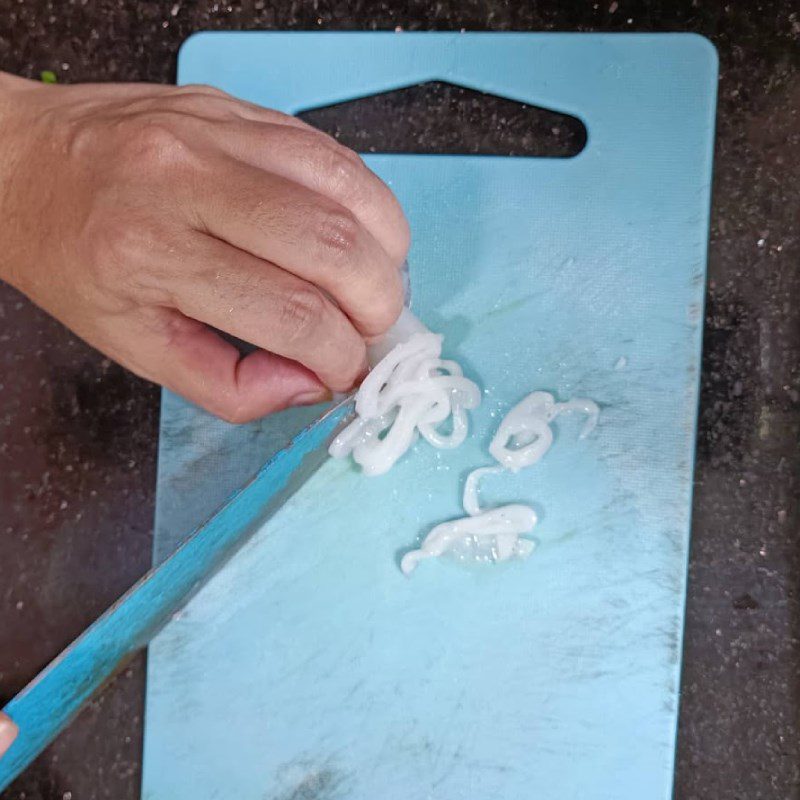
229,216
193,361
260,303
319,163
286,146
306,234
8,733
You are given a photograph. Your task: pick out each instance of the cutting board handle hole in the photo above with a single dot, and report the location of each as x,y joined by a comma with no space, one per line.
446,119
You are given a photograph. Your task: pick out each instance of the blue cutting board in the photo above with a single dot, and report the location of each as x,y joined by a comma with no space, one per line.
310,667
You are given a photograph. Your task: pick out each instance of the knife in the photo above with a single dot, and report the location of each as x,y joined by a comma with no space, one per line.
47,704
50,701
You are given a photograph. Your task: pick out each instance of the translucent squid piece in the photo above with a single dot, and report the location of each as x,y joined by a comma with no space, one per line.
496,534
410,392
470,498
492,535
525,435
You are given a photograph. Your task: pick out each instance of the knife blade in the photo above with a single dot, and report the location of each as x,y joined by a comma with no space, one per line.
48,703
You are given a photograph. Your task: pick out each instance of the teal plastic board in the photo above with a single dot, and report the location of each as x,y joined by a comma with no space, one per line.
310,667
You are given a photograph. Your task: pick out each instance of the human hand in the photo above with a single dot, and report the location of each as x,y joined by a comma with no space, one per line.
8,732
143,216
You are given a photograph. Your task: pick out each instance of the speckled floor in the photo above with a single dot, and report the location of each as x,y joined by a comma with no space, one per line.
78,435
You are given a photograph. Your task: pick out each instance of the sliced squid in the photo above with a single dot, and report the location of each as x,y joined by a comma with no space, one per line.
497,534
410,392
491,535
524,435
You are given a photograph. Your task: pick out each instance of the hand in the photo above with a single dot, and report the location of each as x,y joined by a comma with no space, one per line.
8,732
144,217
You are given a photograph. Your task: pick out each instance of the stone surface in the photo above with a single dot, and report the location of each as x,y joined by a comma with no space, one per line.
78,435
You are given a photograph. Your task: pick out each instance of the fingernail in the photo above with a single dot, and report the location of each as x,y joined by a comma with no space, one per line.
312,397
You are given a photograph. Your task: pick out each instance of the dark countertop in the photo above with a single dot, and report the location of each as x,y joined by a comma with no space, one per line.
78,435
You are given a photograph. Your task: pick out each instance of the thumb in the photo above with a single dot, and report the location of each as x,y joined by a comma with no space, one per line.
192,360
8,732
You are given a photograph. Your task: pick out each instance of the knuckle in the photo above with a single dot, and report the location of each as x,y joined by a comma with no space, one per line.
155,139
337,232
301,313
84,139
280,117
199,88
120,260
338,168
108,255
350,155
347,176
346,169
198,99
116,246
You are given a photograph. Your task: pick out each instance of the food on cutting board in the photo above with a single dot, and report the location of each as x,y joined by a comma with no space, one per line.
412,391
522,439
490,535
